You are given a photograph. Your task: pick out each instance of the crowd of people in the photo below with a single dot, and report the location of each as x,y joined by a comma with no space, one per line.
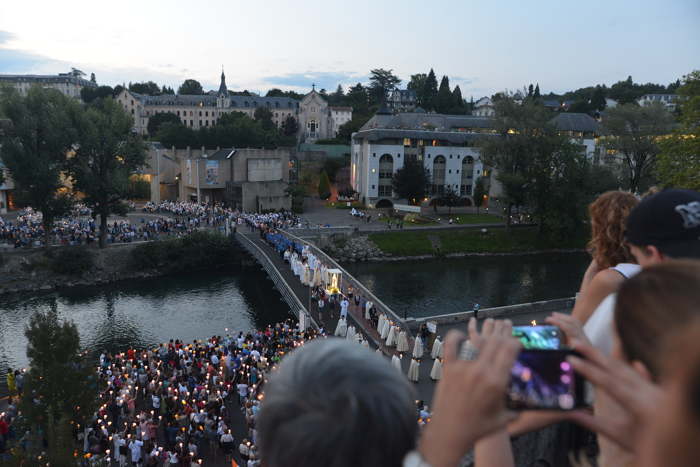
635,328
177,404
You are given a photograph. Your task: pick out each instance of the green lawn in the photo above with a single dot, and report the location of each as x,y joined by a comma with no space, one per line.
473,218
414,243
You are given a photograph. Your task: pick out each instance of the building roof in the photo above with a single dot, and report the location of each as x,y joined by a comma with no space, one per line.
207,100
341,108
423,121
567,121
454,137
62,78
222,87
222,154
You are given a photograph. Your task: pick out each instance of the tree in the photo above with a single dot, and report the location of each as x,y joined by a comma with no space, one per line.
297,193
61,382
34,150
536,94
411,181
190,87
598,99
148,88
479,193
633,132
90,94
444,100
430,91
107,154
359,100
678,163
381,82
417,84
537,167
457,100
158,119
530,90
324,186
348,128
167,90
290,126
451,198
264,116
92,78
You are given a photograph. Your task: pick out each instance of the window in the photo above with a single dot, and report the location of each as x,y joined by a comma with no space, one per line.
384,190
200,113
191,123
190,113
386,167
438,175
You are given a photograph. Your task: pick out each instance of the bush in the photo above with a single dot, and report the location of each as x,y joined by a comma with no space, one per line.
70,260
198,250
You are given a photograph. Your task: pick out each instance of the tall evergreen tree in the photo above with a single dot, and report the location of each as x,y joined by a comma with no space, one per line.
430,91
444,97
536,94
530,90
457,99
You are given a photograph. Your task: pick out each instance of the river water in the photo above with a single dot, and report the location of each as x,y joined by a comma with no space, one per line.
147,312
452,285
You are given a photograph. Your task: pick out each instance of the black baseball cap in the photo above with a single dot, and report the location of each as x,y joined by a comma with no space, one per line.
669,220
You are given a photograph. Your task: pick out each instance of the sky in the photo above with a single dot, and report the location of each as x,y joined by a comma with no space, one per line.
484,46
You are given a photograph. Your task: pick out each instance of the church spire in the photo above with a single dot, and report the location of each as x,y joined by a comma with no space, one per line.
222,87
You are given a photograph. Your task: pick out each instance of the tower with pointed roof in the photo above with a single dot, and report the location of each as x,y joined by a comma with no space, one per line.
223,100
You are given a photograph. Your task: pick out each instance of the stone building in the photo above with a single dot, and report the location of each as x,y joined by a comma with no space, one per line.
249,179
484,108
316,119
198,111
70,83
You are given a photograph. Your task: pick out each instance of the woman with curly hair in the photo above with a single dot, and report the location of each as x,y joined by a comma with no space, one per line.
612,261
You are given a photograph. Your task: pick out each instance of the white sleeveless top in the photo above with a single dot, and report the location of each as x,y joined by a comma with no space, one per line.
599,327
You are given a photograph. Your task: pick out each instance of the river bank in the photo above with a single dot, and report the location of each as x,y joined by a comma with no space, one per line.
41,269
452,243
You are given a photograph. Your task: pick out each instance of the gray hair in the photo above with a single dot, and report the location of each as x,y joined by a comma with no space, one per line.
333,403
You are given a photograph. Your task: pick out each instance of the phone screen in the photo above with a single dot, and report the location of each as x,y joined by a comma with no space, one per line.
543,379
538,337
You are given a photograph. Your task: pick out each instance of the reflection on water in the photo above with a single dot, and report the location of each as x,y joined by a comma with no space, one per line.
439,286
146,312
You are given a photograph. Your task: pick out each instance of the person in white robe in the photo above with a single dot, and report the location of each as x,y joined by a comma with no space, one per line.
391,338
418,348
437,348
380,323
351,335
402,344
386,329
414,370
341,329
368,306
396,362
436,371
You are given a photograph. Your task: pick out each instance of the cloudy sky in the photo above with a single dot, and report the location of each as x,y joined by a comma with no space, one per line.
484,46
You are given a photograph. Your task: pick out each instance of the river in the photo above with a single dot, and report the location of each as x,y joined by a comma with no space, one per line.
147,312
451,285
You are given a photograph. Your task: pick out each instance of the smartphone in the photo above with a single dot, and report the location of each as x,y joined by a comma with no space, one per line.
544,380
539,337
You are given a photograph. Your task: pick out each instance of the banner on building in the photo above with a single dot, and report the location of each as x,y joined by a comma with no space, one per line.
188,172
212,174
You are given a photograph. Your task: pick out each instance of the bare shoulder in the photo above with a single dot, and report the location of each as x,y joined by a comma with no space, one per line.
607,280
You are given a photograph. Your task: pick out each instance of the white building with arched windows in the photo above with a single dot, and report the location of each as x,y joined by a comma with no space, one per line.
444,144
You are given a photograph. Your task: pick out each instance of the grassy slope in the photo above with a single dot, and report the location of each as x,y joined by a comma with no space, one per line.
414,243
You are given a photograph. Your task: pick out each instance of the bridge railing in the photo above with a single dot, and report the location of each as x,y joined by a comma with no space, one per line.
356,284
280,283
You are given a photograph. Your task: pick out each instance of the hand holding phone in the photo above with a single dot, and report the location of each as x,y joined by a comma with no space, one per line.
545,380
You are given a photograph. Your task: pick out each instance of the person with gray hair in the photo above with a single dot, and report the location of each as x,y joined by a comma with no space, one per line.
333,403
